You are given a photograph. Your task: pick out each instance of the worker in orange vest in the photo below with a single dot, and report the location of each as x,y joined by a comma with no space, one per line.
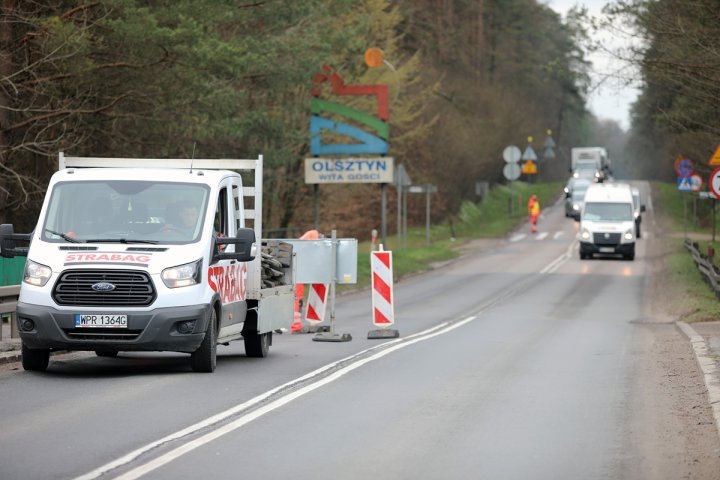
534,212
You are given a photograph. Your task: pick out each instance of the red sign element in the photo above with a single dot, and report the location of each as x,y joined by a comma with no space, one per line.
715,182
382,92
230,282
684,167
317,299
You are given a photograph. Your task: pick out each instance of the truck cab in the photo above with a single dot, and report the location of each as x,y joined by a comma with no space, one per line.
607,223
146,255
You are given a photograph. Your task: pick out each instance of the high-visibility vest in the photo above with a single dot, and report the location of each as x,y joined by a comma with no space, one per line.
535,209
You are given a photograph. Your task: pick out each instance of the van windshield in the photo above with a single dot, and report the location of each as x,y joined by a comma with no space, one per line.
608,212
126,211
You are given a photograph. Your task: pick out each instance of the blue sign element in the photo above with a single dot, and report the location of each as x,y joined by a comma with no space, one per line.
369,144
684,184
685,168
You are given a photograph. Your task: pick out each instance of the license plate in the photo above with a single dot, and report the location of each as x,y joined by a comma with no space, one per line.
100,321
607,250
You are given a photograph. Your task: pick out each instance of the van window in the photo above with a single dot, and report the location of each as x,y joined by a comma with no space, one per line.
221,223
162,212
608,212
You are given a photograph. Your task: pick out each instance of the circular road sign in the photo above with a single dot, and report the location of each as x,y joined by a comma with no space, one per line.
512,154
715,182
512,171
696,183
685,167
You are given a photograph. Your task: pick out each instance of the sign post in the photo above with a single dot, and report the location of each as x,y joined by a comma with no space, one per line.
511,171
427,189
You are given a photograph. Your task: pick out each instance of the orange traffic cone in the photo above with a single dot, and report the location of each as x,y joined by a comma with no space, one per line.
297,316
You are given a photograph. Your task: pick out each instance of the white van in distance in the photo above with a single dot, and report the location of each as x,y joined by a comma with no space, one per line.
607,223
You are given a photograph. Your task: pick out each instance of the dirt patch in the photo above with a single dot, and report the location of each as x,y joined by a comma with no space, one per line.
671,430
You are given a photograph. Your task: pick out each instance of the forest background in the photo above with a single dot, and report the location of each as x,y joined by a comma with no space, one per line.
132,78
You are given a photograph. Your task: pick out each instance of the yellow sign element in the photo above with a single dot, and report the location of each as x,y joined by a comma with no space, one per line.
374,57
529,167
715,159
549,132
530,139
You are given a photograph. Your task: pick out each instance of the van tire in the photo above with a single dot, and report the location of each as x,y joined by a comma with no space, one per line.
257,345
35,359
204,359
629,256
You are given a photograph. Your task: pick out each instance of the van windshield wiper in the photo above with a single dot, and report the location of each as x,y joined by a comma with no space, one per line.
120,240
65,237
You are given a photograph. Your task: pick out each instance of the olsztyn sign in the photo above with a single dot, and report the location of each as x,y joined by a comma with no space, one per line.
349,170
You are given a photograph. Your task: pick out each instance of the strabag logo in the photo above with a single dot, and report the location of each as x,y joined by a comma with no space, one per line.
230,282
107,257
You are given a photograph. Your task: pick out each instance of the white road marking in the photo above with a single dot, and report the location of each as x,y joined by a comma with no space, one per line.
541,235
518,237
558,235
388,347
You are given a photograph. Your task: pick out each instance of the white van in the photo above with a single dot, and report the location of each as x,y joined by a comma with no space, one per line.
151,256
607,223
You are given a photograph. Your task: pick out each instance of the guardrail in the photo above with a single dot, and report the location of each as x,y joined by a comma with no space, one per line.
8,304
711,273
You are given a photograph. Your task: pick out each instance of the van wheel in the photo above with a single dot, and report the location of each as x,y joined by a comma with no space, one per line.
204,359
629,256
583,256
35,359
257,345
106,353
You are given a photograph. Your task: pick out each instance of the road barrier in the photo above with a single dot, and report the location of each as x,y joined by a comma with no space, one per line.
317,300
382,295
8,304
711,273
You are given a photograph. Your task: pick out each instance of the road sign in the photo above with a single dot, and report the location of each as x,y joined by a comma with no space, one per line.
685,167
549,153
511,171
512,154
529,168
402,179
715,159
429,188
382,289
684,184
696,183
349,170
715,182
529,154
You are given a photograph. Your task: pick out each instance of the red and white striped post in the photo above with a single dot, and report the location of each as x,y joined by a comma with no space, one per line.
317,300
382,295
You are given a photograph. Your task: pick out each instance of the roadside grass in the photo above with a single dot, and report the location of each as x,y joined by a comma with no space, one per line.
489,218
695,299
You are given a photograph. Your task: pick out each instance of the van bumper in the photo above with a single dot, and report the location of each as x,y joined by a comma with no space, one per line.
150,330
623,248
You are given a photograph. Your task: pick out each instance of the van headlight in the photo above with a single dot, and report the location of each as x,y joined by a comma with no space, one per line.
628,235
36,274
182,275
576,206
585,234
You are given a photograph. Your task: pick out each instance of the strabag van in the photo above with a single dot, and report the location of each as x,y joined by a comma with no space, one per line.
148,255
607,222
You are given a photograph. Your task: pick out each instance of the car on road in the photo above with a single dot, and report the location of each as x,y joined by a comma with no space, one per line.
607,222
638,209
576,197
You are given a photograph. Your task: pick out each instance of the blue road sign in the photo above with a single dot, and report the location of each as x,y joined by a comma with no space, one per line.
685,168
684,184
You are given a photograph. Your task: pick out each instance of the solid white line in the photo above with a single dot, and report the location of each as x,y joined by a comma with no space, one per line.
245,419
518,237
96,473
541,235
558,235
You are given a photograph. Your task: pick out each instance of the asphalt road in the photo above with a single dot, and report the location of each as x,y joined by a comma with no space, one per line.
516,362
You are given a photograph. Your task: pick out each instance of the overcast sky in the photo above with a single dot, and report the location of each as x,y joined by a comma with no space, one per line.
610,98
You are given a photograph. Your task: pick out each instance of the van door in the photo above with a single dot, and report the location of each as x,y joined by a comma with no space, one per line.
230,276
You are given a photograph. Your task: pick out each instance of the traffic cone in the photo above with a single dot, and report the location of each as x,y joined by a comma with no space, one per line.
297,325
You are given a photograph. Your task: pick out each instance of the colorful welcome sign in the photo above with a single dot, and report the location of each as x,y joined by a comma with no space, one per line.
373,141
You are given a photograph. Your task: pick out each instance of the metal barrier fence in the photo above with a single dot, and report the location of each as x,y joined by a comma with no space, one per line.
711,273
8,304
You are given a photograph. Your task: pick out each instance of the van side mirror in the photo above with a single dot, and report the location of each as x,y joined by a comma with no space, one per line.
642,208
9,239
243,241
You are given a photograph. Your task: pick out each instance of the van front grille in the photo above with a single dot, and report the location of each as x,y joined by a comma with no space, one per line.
606,238
131,288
